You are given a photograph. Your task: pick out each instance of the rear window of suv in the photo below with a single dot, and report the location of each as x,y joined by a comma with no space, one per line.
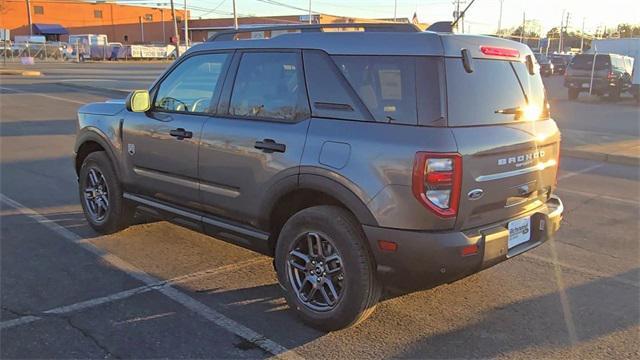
492,94
585,62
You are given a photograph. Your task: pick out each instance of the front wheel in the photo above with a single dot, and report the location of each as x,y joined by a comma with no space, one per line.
326,268
101,195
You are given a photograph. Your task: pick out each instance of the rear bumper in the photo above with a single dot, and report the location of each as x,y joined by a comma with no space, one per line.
426,259
599,85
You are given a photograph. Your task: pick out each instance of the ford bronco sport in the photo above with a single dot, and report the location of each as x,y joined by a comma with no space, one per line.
383,156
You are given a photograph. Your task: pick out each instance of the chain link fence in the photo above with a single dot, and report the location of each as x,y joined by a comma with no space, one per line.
30,53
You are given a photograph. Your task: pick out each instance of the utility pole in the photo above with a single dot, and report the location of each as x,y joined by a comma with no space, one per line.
395,11
186,25
310,12
29,18
175,29
582,37
566,28
457,12
164,33
235,16
141,28
500,18
522,29
560,31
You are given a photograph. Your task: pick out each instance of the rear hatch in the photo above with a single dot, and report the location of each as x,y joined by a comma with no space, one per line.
499,116
581,66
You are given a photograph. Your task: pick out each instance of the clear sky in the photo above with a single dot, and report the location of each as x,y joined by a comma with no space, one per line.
481,18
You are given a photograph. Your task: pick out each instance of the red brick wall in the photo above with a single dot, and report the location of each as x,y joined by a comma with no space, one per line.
79,18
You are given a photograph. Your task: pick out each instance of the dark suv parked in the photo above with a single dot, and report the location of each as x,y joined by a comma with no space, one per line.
559,64
358,159
608,76
546,66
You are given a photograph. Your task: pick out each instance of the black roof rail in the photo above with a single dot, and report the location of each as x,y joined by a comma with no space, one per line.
371,27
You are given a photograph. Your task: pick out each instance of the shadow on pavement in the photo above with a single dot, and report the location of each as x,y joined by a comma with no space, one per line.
593,313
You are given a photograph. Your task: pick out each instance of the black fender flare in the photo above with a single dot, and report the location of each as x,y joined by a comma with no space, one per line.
323,184
90,134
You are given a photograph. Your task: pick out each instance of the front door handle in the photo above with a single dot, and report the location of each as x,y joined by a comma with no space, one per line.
269,146
181,133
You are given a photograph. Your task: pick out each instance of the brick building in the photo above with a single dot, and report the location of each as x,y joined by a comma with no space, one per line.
121,23
202,29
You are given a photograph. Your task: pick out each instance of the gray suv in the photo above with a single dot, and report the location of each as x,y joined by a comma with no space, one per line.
377,156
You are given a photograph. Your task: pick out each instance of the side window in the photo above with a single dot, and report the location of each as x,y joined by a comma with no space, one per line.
191,85
386,85
269,85
329,92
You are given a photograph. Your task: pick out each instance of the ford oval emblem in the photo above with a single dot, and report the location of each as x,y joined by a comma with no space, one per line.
475,194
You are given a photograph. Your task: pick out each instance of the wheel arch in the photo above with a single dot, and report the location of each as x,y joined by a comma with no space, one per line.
310,190
88,142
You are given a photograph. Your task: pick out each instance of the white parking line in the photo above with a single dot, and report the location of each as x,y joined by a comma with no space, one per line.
44,95
178,296
596,195
582,171
556,262
131,292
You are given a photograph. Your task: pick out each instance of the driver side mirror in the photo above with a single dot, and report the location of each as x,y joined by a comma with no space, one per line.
139,101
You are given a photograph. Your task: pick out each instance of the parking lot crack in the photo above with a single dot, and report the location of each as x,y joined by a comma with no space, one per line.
88,335
17,312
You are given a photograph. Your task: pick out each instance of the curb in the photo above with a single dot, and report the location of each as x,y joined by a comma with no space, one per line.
20,72
603,157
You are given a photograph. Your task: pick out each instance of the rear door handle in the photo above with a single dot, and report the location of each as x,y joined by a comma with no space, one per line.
181,133
269,146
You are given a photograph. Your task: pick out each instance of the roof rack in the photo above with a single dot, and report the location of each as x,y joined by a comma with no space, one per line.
368,27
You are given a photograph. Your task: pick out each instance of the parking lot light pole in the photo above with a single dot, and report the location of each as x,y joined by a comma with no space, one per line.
175,29
235,16
29,18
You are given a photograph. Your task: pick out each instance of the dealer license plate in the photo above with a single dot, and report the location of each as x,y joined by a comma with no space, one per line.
519,231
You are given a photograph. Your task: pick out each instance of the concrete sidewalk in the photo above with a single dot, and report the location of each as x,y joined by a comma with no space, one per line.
612,148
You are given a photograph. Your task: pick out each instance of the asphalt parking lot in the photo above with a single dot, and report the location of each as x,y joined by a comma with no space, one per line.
157,290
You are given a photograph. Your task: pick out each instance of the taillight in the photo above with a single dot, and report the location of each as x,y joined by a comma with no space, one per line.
436,182
500,51
611,76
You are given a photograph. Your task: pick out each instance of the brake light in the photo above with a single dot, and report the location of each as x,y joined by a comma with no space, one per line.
436,182
500,51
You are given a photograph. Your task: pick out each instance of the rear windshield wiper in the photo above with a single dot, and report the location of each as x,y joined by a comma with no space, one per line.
510,111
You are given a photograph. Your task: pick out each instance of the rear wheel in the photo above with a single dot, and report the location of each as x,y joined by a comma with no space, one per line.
573,93
614,95
101,195
325,266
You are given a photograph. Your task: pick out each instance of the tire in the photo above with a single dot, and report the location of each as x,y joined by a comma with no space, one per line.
573,93
118,213
614,95
355,282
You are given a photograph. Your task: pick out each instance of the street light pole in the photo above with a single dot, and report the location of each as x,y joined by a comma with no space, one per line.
395,11
29,18
141,28
522,30
500,18
175,29
582,37
186,25
235,16
164,33
561,27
